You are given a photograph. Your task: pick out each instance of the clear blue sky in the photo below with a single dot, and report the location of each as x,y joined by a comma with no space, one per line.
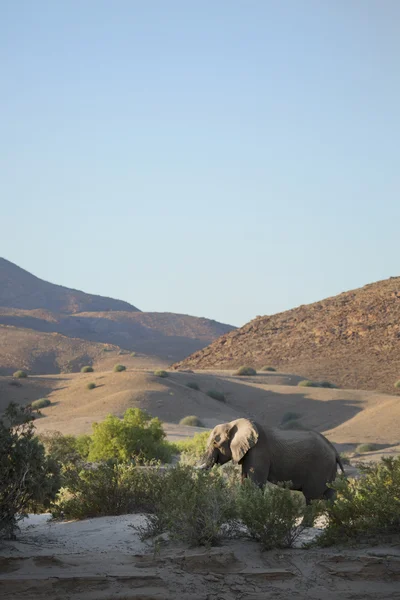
221,158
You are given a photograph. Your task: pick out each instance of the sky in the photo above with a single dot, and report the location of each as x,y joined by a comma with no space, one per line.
222,159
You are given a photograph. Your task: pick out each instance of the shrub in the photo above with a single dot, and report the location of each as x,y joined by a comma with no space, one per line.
366,507
268,369
193,449
243,371
397,384
136,436
216,395
65,449
118,368
290,416
344,458
108,489
41,403
161,373
91,385
326,384
366,448
292,424
193,385
307,383
133,354
193,507
191,420
20,374
87,369
271,514
29,480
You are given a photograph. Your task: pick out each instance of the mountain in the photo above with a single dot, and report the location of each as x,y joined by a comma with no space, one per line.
29,304
20,289
352,339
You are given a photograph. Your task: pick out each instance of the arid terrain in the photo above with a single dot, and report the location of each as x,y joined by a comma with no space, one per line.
33,311
352,339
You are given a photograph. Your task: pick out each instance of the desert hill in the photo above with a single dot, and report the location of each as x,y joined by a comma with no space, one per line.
20,289
352,339
347,417
30,304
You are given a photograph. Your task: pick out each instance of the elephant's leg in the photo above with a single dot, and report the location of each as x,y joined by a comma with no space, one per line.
330,495
308,519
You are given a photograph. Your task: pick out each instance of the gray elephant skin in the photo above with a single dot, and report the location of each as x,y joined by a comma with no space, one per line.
306,458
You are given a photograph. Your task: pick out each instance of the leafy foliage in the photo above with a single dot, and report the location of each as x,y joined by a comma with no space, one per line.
367,448
191,420
20,374
271,514
91,385
272,369
29,480
397,384
87,369
243,371
135,436
193,449
216,395
118,368
367,507
161,373
290,416
41,403
307,383
193,385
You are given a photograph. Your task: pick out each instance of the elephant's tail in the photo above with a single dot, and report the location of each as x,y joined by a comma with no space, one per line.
339,462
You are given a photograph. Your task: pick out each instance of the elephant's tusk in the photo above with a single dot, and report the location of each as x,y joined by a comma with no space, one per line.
202,467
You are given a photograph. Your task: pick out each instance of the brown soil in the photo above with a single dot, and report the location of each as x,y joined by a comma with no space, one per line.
352,339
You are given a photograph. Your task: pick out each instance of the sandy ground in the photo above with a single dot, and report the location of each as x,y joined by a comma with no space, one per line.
104,559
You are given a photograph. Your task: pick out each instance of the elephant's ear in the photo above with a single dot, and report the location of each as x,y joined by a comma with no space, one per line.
243,435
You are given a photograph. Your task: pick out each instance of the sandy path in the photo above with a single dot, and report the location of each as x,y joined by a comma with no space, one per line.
103,559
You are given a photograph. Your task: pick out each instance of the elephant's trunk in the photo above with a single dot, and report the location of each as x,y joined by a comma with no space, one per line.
209,460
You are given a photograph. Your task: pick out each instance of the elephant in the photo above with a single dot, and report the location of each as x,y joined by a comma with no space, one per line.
305,458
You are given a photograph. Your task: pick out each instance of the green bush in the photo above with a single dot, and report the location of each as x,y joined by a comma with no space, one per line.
365,508
20,374
326,384
323,384
118,368
344,458
268,369
29,480
216,395
108,488
243,371
65,449
271,514
136,436
397,384
367,448
193,507
191,420
307,383
193,385
193,449
87,369
91,385
133,354
161,373
41,403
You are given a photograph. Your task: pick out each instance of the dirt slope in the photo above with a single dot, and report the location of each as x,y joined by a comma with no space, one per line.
352,339
20,289
347,417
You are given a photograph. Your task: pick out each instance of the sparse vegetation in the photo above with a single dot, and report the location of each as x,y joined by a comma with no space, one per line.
344,458
192,449
118,368
397,384
326,384
216,395
133,354
91,385
41,403
20,374
366,507
193,385
290,416
191,420
272,369
161,373
243,371
367,448
87,369
29,480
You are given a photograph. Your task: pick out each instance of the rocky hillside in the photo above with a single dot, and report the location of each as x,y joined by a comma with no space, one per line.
352,339
32,305
20,289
